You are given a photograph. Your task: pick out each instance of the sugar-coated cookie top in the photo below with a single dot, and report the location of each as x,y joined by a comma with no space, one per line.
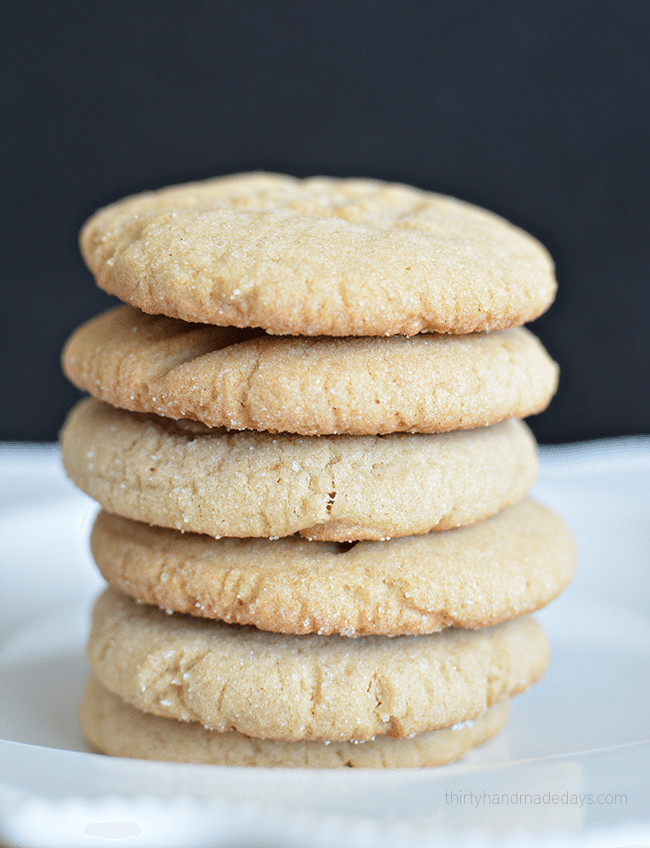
278,686
334,488
243,379
474,576
318,257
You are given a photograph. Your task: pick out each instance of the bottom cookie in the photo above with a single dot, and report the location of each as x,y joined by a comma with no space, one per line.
116,728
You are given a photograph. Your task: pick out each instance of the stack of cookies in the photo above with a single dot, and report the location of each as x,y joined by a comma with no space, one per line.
305,435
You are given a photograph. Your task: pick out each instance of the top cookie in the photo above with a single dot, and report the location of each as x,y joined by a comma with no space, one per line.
318,257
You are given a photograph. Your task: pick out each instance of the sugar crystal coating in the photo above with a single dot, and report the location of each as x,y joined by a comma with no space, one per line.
318,257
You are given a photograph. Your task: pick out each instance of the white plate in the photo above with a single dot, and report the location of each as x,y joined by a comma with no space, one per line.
575,741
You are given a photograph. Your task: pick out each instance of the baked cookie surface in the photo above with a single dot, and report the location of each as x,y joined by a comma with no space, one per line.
336,488
476,576
117,728
276,686
311,386
318,257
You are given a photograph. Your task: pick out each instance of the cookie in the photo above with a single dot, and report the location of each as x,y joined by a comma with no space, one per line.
338,488
278,686
311,386
115,727
318,257
512,563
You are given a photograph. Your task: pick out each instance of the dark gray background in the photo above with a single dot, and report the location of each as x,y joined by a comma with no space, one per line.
536,111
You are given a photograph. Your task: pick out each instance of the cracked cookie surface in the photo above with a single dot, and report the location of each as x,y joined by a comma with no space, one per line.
278,686
338,488
318,257
512,563
117,728
239,379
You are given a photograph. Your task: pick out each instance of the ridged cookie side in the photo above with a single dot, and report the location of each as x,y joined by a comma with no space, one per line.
337,488
276,686
476,576
237,379
116,728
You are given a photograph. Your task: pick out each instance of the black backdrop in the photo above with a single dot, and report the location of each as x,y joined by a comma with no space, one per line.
537,111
